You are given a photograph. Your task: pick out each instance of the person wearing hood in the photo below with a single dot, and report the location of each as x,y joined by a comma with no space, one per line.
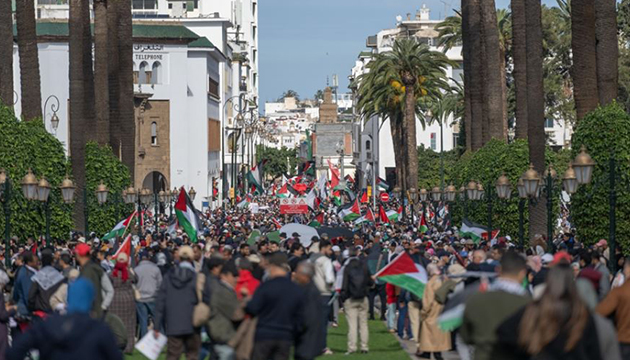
44,284
174,307
123,304
75,336
247,283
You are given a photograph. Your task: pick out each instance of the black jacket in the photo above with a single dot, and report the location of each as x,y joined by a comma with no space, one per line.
308,339
45,284
176,300
70,337
356,266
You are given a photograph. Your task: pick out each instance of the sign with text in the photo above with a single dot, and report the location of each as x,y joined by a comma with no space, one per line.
293,206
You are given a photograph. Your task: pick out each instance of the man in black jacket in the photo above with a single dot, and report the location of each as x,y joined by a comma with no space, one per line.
354,292
174,306
306,343
45,283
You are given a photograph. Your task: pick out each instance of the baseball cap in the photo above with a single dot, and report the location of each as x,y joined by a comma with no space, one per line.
82,249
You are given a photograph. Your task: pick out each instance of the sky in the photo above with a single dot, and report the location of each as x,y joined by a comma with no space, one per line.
302,42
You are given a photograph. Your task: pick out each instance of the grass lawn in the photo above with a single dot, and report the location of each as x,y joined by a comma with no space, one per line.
383,345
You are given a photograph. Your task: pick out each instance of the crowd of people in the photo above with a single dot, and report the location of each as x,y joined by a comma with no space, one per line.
234,293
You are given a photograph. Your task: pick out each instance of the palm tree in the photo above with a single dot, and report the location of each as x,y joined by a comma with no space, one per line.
607,50
113,79
101,54
496,122
519,53
125,86
535,107
471,28
450,32
583,44
6,53
29,60
396,81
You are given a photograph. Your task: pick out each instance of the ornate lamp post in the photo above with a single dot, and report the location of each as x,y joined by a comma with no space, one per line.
522,198
413,196
43,192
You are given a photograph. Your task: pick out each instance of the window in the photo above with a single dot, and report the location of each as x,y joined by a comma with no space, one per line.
191,5
433,142
144,4
548,123
154,135
213,87
142,76
170,5
368,145
155,73
254,9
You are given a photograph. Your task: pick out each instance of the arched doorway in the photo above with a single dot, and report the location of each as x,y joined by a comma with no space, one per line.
155,181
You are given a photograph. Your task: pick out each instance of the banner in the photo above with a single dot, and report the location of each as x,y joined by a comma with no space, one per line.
293,206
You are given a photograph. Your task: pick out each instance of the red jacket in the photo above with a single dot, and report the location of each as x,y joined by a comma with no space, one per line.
248,281
390,290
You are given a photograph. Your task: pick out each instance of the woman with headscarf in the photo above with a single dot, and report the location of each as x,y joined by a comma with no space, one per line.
557,326
123,305
432,338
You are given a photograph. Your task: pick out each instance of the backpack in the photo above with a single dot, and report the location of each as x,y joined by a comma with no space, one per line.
357,282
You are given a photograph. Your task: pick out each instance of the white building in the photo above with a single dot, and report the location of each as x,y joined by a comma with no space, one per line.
288,122
177,97
432,135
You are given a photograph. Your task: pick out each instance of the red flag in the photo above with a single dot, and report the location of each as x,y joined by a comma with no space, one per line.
320,218
383,215
370,215
334,181
125,247
356,208
364,197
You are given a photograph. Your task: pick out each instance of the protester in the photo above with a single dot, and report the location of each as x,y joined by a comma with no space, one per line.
74,336
23,282
149,281
617,304
354,292
557,326
324,279
6,312
432,339
225,312
94,273
174,306
44,284
486,311
123,304
246,283
307,342
278,305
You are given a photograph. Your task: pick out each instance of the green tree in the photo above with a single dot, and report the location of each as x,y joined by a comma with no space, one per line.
289,93
604,132
276,164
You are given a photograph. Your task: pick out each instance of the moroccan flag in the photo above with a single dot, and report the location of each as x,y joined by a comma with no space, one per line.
403,272
119,229
125,247
352,213
187,215
382,215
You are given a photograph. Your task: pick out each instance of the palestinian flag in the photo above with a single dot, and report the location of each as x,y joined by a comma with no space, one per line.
125,247
254,176
318,221
334,180
475,232
187,215
382,184
245,203
312,200
283,192
368,217
119,229
452,319
403,272
393,216
364,197
352,213
423,228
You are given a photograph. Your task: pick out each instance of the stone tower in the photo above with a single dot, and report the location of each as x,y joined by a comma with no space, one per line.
328,109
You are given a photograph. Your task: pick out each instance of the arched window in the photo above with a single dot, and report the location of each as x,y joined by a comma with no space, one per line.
154,134
143,73
156,77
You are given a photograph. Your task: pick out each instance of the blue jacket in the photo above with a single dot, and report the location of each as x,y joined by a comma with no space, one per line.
22,288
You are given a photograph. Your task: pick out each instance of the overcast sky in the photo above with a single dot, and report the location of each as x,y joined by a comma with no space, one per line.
302,42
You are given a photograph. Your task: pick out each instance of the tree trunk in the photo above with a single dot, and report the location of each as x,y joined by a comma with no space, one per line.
113,76
583,44
411,147
30,80
101,53
125,84
536,109
467,55
6,54
519,51
397,141
470,12
78,121
494,78
89,112
607,50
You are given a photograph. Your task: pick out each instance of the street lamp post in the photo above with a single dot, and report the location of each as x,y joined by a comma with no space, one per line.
522,198
436,196
424,195
413,196
54,119
43,192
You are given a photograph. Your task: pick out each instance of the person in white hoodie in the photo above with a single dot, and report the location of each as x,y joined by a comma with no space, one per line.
324,279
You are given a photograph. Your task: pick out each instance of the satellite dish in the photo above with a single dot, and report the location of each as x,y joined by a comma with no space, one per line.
399,18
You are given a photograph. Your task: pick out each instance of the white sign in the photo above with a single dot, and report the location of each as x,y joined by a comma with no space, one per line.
151,347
